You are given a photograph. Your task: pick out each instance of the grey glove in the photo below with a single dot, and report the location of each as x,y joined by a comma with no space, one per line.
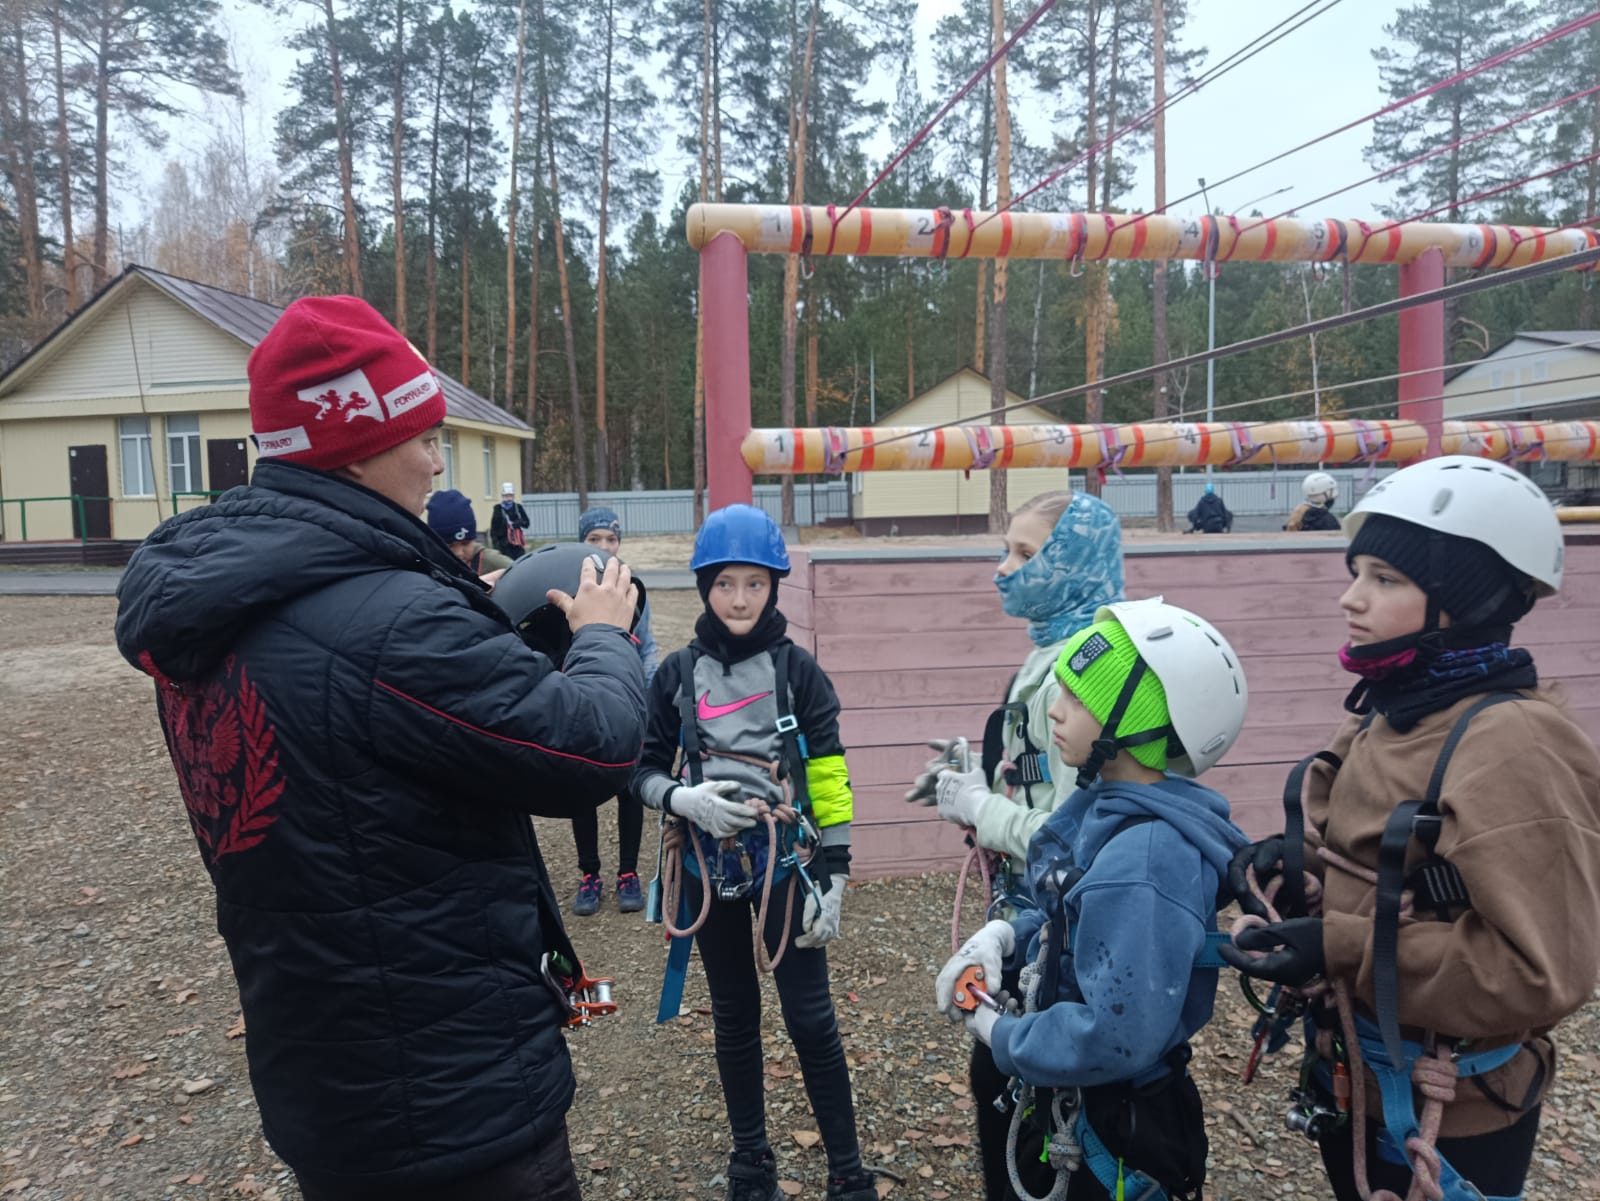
951,753
820,922
707,806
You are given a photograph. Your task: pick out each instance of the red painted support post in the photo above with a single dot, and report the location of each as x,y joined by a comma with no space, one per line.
725,301
1422,347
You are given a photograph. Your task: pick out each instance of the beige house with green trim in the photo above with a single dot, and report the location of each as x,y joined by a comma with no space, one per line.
947,502
138,406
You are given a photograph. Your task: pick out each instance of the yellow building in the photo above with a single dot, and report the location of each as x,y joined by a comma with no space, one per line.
946,502
138,406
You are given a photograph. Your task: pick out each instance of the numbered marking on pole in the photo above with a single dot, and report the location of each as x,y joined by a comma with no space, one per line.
777,449
776,229
920,230
1059,240
920,449
1189,235
1312,437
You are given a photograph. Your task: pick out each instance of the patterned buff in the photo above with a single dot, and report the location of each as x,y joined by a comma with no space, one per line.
1075,572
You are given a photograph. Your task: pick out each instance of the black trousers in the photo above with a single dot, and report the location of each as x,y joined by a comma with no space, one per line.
802,979
1496,1163
542,1174
988,1083
630,829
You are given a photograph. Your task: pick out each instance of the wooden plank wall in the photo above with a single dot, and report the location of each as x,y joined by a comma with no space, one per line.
921,648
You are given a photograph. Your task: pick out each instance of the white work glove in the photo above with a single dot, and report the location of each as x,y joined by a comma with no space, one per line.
988,949
707,806
980,1024
950,753
820,923
962,796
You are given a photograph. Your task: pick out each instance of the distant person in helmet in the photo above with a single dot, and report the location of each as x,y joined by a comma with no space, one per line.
1108,975
450,516
601,527
1473,934
359,735
750,711
1209,515
508,526
1315,512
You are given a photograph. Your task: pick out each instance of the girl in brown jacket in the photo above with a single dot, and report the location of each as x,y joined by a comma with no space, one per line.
1451,851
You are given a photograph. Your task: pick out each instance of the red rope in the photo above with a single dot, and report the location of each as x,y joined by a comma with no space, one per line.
961,94
1504,56
1246,52
1484,195
1422,158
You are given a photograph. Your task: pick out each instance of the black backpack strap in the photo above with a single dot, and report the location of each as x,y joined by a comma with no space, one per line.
1420,819
994,732
1292,892
795,752
688,728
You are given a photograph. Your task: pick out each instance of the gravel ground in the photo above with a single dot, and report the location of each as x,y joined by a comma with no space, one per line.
122,1070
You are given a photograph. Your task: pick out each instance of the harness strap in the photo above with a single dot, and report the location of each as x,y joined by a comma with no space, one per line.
688,729
1292,889
1407,818
1116,1179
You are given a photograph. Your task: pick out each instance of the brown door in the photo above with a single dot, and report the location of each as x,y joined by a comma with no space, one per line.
87,471
226,464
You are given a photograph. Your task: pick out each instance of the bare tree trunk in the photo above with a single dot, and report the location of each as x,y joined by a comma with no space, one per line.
1093,338
531,401
341,126
798,99
580,465
979,344
466,232
102,147
511,206
602,459
1038,321
396,149
911,360
431,263
69,264
699,430
1002,196
1159,349
21,152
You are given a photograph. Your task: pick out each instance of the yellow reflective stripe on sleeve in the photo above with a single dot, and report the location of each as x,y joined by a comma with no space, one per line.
828,780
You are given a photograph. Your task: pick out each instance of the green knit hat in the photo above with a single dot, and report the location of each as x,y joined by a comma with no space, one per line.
1094,665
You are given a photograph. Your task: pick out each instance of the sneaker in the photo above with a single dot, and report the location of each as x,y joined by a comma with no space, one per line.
630,898
862,1186
587,902
753,1176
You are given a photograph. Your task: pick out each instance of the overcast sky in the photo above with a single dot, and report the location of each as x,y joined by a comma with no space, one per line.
1316,79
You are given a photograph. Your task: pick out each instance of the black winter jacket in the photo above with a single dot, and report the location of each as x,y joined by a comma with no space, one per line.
359,736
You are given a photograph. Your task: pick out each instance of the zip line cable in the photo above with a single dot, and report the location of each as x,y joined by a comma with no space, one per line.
1422,158
1246,52
1467,287
1449,81
960,94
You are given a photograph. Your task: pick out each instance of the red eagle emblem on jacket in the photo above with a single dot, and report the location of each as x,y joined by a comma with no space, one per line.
225,752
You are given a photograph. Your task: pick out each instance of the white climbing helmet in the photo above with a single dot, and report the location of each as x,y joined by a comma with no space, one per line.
1200,674
1319,487
1479,499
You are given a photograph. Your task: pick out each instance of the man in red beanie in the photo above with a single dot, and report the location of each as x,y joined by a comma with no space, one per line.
321,662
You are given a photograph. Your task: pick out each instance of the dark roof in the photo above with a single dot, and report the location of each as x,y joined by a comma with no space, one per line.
248,320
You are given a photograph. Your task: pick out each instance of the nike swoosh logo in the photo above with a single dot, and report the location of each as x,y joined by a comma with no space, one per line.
706,711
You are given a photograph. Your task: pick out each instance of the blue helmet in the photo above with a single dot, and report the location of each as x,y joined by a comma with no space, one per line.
740,534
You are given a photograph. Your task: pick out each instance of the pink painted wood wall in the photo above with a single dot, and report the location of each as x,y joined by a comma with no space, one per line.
919,648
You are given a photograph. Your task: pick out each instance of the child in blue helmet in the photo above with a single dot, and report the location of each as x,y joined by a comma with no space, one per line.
602,527
758,724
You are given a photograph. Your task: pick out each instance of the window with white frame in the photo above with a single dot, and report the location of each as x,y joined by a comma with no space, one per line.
488,468
183,453
447,452
138,471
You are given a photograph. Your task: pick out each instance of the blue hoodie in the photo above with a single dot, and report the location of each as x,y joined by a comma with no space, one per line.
1140,915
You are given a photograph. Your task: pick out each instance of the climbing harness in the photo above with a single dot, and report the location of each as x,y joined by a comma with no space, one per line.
733,870
1070,1140
1336,1058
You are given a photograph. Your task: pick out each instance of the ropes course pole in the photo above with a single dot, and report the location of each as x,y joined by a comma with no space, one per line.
1422,347
725,302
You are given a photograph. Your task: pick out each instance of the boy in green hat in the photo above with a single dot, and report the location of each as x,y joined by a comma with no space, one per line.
1113,966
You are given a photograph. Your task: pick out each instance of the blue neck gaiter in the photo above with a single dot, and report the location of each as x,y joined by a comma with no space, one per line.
1075,572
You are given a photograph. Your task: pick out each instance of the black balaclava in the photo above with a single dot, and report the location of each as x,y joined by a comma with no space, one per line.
711,633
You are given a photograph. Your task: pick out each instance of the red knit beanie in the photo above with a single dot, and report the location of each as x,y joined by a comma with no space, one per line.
333,383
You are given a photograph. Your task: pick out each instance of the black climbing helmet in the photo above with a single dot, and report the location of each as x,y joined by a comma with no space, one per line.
521,593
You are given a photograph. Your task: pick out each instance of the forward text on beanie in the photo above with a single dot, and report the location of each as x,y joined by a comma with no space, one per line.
333,383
